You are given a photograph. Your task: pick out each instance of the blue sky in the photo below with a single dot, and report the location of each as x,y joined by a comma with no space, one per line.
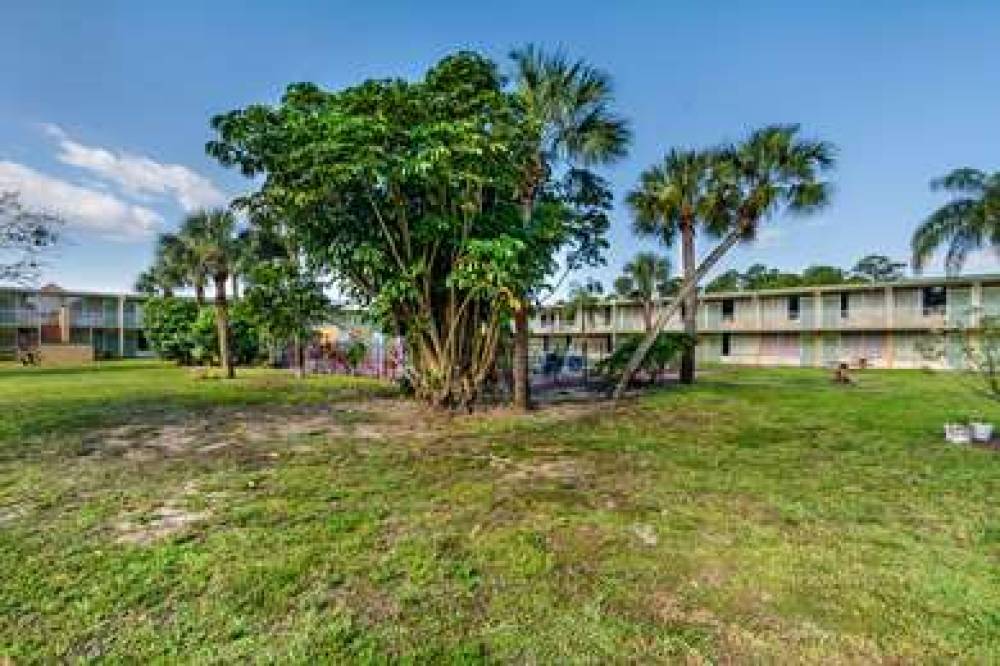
104,106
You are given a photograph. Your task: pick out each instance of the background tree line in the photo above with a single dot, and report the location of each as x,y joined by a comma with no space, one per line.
872,268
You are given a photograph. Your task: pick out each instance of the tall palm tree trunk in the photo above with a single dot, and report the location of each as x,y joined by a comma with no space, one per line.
691,303
689,286
222,325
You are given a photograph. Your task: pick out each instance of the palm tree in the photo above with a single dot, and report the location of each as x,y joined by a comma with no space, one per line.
210,237
773,171
172,267
672,199
566,107
645,278
582,299
969,222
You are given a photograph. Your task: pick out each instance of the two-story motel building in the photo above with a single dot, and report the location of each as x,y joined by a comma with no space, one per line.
884,325
70,325
879,325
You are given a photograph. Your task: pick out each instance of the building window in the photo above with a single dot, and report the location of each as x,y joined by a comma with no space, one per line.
607,315
845,306
935,300
793,308
728,309
726,343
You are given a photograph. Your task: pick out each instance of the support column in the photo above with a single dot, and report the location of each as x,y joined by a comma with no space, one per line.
758,315
890,337
121,327
614,325
976,305
63,323
817,329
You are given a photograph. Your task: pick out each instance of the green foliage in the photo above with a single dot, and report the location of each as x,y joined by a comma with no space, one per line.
245,343
969,222
178,330
982,354
667,347
168,325
873,268
355,354
679,191
878,268
285,300
730,280
408,193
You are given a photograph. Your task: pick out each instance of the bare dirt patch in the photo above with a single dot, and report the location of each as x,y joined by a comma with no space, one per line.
279,428
164,522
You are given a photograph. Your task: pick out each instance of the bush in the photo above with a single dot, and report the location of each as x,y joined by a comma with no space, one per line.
178,331
666,348
168,323
244,339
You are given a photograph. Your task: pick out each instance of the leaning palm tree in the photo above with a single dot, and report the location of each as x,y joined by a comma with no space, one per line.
773,171
969,222
672,199
566,109
645,278
211,238
583,297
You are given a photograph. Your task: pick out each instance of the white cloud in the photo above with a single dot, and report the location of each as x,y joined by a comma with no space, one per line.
83,208
138,176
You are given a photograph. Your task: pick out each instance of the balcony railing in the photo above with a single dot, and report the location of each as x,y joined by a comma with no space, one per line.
19,317
810,318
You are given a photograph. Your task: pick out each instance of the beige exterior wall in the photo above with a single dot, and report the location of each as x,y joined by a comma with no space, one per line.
877,325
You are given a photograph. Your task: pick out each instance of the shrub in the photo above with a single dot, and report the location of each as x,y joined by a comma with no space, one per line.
168,323
244,339
666,348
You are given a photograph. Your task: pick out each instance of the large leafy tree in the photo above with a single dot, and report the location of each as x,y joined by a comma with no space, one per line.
407,192
645,278
969,222
565,109
672,200
24,235
773,171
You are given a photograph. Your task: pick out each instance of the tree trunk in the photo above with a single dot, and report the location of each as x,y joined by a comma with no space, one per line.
689,285
583,343
236,287
522,383
691,303
222,325
199,294
300,357
522,336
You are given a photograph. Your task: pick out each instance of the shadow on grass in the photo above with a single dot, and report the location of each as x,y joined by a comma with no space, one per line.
15,371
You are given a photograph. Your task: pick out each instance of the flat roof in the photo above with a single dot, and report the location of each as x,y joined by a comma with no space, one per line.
993,278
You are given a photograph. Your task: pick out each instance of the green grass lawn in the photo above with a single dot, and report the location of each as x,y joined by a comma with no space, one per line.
762,515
